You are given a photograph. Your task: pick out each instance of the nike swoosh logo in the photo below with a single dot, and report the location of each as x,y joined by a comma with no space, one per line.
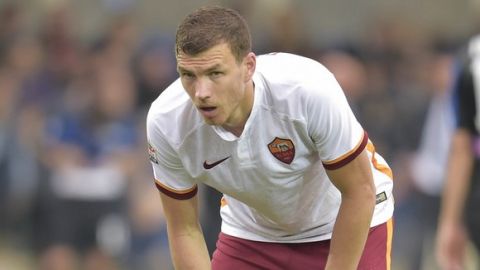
208,166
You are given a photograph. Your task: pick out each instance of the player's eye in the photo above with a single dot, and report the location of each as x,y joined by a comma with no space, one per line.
215,74
187,75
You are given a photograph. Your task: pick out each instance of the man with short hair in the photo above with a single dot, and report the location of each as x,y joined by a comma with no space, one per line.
459,219
303,186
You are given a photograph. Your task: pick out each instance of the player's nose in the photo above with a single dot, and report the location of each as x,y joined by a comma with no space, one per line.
202,89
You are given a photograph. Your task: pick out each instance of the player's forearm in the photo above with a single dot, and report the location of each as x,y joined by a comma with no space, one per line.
458,178
188,250
351,231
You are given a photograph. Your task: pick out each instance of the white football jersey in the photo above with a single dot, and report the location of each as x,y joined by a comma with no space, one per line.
273,176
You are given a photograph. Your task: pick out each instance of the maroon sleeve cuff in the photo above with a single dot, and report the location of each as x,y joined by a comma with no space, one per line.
350,157
177,195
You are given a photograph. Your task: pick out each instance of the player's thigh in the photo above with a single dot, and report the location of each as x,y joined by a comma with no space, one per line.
236,253
377,252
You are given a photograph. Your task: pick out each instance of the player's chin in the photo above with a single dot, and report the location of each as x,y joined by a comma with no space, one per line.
212,121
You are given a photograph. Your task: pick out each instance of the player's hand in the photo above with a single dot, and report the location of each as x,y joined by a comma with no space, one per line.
450,246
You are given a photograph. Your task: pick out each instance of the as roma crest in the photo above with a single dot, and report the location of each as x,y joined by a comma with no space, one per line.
282,149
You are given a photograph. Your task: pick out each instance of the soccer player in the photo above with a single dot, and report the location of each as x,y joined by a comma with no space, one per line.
459,215
303,186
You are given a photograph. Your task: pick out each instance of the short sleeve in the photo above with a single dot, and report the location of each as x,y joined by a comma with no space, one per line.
171,178
337,134
464,98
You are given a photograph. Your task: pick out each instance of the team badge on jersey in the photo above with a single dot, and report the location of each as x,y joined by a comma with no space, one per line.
282,149
152,154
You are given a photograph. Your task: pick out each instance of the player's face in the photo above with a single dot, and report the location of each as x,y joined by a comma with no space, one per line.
219,86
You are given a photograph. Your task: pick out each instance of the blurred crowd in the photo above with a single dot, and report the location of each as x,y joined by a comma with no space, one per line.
76,187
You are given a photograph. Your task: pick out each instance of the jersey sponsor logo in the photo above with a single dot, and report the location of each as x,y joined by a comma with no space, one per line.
208,166
282,149
152,154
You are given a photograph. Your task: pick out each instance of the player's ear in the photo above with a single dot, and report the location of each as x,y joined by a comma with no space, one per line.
250,62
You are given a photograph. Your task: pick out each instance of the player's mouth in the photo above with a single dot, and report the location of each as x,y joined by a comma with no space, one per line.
208,111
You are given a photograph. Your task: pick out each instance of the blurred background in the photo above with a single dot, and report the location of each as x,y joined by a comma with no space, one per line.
77,78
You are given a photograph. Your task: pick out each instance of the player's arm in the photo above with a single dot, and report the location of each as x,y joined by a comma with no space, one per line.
185,236
355,182
451,236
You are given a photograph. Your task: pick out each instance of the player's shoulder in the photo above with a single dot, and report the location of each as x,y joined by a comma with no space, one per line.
292,71
286,65
284,56
173,104
170,101
293,77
